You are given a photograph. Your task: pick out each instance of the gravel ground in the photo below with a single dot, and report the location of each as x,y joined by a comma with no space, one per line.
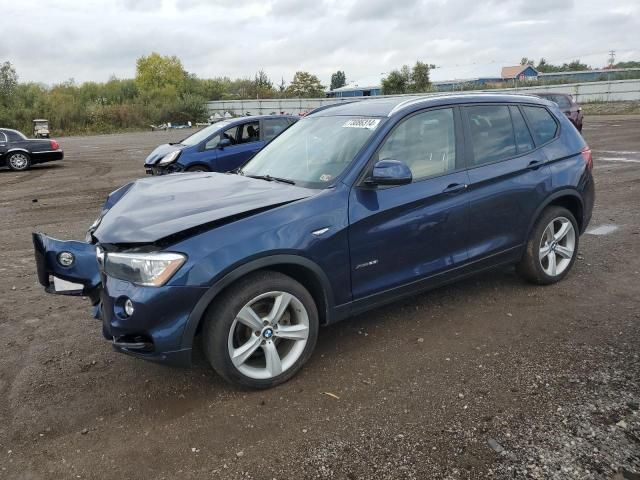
487,378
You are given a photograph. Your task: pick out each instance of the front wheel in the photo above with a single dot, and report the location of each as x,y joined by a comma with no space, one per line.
552,247
197,168
261,331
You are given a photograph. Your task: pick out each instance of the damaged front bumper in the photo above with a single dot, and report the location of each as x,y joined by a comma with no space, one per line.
163,170
155,329
67,267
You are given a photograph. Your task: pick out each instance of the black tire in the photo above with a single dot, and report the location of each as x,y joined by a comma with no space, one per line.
220,317
198,168
531,266
19,161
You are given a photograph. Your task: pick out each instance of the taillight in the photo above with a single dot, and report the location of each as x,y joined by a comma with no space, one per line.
587,157
54,145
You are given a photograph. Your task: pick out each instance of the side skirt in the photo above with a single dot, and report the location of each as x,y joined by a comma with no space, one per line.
376,300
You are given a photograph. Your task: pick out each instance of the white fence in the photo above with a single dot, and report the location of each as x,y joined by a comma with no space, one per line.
609,91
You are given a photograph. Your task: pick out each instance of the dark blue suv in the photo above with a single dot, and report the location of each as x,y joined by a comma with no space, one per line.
221,147
352,207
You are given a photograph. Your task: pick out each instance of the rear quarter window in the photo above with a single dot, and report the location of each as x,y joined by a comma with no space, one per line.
543,126
14,136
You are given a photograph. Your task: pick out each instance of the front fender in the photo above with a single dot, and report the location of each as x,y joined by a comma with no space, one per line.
257,264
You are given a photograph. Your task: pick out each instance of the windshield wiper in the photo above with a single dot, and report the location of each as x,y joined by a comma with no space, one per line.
269,178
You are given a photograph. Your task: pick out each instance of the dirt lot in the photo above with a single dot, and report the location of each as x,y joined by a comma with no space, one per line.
489,378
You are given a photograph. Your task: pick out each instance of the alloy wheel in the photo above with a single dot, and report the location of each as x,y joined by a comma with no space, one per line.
268,335
19,161
557,246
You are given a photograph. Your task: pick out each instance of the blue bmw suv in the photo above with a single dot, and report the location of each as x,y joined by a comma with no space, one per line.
221,147
354,206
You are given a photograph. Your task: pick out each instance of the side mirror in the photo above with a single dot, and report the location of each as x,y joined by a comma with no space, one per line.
390,172
225,142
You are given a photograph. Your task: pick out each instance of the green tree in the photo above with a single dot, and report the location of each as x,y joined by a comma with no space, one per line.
338,79
263,85
574,66
157,72
630,64
305,85
8,80
526,61
397,81
282,87
420,77
408,80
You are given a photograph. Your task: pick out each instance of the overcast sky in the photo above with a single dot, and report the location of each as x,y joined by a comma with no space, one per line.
50,41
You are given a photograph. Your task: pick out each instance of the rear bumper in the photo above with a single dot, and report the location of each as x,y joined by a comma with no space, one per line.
42,157
588,200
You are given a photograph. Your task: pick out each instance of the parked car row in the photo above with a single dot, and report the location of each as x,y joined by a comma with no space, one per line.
351,207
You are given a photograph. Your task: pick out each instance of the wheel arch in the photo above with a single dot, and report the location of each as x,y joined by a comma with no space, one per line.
301,269
567,198
198,164
17,149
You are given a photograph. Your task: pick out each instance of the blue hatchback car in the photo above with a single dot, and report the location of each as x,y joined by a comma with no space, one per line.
354,206
221,147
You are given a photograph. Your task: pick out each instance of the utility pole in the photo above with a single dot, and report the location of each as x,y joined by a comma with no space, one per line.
612,58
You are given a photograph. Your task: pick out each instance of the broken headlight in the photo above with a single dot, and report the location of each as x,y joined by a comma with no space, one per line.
88,237
169,158
146,269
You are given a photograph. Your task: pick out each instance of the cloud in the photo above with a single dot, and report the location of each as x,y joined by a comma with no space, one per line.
91,41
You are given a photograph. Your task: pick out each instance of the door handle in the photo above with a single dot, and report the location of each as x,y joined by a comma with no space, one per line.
534,164
455,188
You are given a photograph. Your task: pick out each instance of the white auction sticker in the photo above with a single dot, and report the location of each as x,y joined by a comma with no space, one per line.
368,123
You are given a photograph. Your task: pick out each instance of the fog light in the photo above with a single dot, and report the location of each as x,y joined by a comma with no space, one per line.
66,259
128,307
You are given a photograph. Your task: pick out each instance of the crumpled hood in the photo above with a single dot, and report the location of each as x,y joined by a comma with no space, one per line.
155,156
154,208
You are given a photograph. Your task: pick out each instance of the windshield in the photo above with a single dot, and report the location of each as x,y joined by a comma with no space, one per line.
314,151
203,134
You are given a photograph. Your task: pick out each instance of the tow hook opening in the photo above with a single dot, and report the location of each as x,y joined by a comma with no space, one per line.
137,343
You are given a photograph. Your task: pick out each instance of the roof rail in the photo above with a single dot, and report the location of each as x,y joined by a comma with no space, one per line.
424,98
409,101
324,107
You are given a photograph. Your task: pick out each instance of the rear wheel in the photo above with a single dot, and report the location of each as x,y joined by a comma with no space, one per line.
552,247
261,331
19,161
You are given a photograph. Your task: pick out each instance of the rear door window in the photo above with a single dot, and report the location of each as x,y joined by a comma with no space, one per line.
524,142
14,136
543,125
273,127
492,134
